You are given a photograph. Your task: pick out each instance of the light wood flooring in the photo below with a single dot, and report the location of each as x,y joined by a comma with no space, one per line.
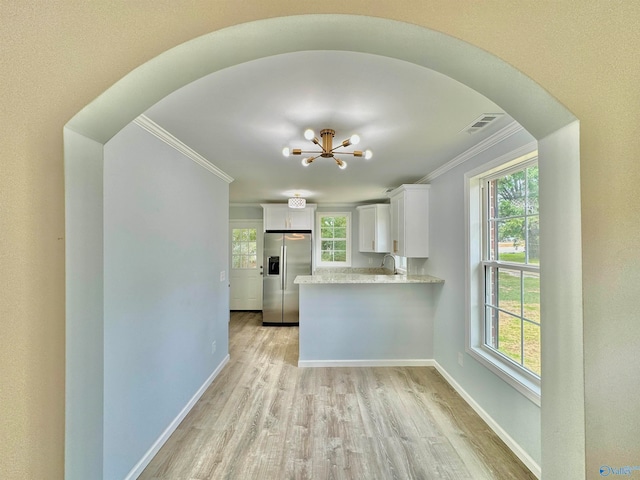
265,418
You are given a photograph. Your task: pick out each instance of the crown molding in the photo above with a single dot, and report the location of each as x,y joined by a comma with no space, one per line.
314,205
501,135
338,205
257,205
156,130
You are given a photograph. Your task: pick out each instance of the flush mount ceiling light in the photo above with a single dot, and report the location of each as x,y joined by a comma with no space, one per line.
297,201
328,150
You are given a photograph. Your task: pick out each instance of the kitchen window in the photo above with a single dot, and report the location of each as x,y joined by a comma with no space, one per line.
504,273
333,246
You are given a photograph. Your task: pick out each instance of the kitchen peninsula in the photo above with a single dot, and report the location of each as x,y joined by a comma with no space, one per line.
366,319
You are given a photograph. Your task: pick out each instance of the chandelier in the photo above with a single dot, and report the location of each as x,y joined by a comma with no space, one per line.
297,201
328,150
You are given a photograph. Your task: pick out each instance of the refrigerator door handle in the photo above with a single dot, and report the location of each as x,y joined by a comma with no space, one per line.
284,267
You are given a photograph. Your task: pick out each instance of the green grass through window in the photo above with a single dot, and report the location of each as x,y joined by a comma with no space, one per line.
510,327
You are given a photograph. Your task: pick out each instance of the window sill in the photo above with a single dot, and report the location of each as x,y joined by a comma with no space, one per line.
523,383
333,264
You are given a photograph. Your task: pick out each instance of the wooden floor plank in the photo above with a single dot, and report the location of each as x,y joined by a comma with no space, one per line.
265,418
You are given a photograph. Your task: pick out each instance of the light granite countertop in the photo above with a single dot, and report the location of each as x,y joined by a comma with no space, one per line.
344,278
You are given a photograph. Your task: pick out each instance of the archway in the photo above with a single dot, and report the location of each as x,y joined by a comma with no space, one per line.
555,128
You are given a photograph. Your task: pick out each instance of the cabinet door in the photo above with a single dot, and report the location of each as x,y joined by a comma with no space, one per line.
382,232
367,219
410,221
394,225
281,217
300,219
402,219
275,218
416,226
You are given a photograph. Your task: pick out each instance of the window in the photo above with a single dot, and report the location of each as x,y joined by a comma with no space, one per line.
504,272
334,245
244,248
512,267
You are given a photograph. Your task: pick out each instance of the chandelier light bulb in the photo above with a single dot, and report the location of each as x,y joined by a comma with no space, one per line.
305,162
342,165
355,139
309,134
368,154
286,152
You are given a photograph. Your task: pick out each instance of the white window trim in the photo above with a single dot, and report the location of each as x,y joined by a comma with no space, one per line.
402,269
318,246
527,384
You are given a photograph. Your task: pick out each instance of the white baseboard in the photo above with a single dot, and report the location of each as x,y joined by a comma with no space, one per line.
407,362
504,436
157,445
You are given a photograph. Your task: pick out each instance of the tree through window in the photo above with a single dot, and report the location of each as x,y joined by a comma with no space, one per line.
244,248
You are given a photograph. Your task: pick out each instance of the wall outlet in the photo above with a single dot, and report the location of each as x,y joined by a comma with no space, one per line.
370,261
213,347
223,275
461,359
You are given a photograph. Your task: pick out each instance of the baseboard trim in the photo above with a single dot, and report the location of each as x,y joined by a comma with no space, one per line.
504,436
147,457
403,362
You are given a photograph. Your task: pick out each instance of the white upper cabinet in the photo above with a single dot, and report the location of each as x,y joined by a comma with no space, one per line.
374,234
279,216
410,221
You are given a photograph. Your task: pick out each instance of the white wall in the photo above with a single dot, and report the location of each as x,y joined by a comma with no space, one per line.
84,367
165,244
562,307
517,415
378,324
245,212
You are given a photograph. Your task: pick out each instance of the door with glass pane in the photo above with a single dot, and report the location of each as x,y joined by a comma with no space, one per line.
246,265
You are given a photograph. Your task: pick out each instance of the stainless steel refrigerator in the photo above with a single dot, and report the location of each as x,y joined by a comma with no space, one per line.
287,254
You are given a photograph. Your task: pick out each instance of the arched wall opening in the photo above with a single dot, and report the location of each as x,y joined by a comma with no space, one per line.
555,128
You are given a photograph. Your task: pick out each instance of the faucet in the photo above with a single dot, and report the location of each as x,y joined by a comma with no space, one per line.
394,262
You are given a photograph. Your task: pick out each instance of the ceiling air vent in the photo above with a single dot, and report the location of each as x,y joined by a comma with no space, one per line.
481,122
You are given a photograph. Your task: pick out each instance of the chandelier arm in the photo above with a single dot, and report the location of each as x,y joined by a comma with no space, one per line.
308,151
342,164
342,153
335,148
311,159
345,143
